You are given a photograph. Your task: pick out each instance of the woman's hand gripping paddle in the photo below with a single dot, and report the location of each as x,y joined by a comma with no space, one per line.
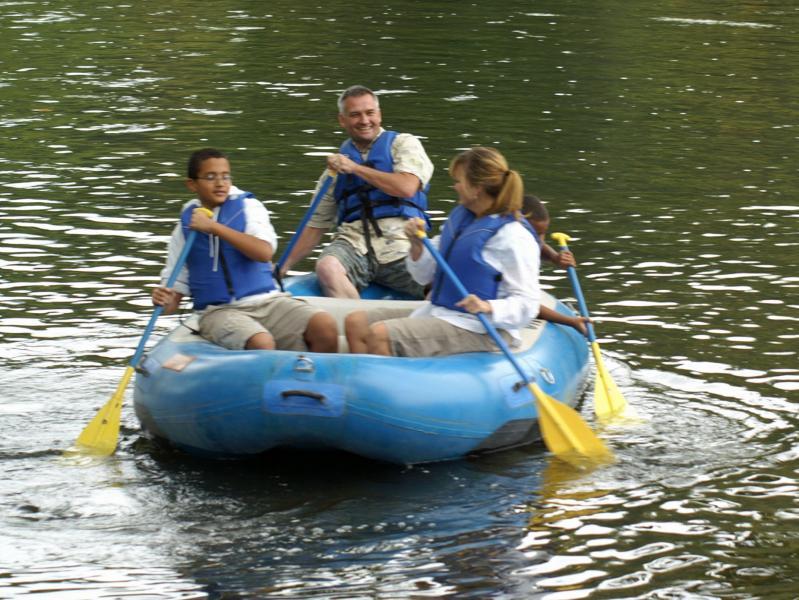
608,401
563,430
101,435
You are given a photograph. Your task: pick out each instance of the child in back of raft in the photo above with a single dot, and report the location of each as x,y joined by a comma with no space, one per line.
537,216
228,272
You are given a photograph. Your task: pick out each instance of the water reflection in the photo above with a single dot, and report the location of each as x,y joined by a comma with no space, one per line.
650,523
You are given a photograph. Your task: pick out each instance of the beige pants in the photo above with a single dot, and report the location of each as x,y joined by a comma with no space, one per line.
283,317
429,336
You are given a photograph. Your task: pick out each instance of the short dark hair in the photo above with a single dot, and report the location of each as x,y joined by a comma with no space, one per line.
198,157
533,208
354,91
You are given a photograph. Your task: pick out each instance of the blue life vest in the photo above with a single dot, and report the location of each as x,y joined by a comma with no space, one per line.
463,238
237,275
360,200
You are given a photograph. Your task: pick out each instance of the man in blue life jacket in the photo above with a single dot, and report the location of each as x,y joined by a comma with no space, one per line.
382,180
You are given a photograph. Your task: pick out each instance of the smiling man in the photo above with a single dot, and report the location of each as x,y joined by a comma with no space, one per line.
382,181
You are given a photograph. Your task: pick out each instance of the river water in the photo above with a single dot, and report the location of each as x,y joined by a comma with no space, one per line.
663,137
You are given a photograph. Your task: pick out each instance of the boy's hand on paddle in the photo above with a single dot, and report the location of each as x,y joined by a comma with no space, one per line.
168,298
202,220
162,296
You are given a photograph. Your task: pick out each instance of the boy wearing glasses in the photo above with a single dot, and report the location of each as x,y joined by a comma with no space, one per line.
228,272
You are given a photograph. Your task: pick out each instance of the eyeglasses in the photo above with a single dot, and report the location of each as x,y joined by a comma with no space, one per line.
214,177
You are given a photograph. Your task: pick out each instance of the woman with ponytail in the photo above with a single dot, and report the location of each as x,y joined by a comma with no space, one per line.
491,249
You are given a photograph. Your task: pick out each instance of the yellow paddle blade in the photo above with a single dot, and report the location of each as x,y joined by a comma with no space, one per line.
608,401
565,433
101,435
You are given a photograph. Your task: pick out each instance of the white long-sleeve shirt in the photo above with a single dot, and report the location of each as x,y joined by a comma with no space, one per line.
258,225
513,252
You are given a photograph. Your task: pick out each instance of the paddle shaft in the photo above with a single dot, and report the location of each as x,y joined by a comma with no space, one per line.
578,292
307,217
608,400
101,435
173,277
490,329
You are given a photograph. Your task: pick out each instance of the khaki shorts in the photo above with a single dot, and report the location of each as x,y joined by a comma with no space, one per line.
430,336
283,317
363,269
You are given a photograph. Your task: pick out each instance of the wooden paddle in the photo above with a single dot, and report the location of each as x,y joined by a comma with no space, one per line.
563,430
101,435
608,401
331,176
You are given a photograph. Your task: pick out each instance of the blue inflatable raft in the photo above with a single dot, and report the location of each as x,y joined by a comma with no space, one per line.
220,403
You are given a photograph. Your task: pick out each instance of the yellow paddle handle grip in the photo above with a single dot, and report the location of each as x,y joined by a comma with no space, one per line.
561,239
207,211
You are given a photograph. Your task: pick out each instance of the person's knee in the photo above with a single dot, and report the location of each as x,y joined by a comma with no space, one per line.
321,334
378,339
329,268
356,323
356,328
334,279
260,341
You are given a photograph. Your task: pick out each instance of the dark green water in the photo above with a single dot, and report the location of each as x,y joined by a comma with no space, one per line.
663,136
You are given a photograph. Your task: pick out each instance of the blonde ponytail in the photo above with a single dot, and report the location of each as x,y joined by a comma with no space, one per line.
487,168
